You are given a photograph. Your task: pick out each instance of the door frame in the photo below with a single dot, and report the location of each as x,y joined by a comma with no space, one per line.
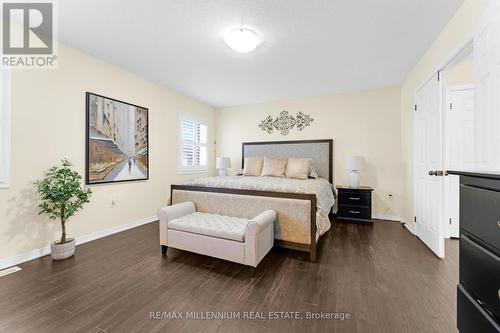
459,54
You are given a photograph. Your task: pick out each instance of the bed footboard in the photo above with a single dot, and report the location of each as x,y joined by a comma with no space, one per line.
296,222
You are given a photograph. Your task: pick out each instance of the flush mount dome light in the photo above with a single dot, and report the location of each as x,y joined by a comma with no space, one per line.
242,40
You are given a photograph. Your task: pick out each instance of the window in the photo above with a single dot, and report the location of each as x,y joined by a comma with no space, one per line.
193,150
4,128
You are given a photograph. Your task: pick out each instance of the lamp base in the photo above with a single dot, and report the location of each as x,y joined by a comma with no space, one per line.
222,172
354,179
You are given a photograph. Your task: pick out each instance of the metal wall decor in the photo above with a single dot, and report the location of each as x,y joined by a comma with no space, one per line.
285,122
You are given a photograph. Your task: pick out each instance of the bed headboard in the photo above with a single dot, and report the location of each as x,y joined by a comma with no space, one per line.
319,151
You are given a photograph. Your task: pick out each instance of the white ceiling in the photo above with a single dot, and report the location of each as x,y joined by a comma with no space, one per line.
309,48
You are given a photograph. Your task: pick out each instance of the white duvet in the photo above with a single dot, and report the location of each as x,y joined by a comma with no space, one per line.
321,187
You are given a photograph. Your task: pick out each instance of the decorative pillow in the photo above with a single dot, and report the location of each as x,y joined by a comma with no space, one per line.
298,168
253,166
312,172
274,167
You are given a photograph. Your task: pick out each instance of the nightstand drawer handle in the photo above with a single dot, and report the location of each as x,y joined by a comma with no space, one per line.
498,224
355,198
354,211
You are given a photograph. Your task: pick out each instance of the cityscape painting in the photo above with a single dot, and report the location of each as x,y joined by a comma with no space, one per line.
117,141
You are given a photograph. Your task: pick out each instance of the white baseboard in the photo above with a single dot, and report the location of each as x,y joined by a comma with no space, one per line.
410,228
378,216
387,217
27,256
114,230
34,254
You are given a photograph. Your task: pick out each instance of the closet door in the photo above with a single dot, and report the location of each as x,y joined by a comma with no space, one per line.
459,150
487,90
428,165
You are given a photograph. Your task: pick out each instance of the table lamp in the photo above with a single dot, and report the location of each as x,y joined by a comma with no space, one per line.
222,164
354,165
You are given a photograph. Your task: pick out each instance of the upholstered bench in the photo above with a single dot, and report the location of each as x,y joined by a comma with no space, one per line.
245,241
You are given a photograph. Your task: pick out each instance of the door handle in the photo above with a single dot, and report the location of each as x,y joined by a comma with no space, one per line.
439,173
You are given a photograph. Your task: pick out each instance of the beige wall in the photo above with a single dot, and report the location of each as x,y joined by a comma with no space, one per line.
48,123
461,74
365,123
455,35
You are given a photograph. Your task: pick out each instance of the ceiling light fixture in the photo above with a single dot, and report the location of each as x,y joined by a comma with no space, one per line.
242,40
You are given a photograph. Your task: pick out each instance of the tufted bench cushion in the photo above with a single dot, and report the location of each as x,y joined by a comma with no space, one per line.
220,226
241,240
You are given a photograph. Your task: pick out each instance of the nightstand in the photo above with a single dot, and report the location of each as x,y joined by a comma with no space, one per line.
355,204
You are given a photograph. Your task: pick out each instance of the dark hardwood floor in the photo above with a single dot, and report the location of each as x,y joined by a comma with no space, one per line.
384,277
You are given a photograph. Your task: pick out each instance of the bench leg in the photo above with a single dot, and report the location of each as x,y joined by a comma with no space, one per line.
164,249
252,270
312,254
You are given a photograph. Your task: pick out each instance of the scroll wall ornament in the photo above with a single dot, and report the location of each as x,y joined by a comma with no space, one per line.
285,122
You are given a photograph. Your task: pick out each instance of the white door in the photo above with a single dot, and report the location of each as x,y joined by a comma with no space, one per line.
429,158
487,90
459,149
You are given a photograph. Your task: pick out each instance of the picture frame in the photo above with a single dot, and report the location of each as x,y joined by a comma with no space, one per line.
117,141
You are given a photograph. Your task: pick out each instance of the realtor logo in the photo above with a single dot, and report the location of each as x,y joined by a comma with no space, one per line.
35,35
28,34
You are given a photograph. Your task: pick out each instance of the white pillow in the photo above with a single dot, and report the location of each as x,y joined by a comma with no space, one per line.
298,168
253,166
312,172
274,167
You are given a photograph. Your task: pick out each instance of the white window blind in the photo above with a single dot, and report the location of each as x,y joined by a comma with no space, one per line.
193,143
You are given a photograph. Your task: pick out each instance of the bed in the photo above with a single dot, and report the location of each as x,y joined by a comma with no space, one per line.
302,206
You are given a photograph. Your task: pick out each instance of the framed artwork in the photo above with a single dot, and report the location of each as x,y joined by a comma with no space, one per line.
117,148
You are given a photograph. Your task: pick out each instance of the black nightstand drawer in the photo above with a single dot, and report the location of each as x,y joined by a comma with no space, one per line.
480,213
356,212
471,318
355,198
480,273
355,204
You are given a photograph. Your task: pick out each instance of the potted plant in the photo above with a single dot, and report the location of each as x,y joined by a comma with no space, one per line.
62,195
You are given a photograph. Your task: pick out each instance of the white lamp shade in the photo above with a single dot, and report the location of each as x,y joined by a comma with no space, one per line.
355,162
223,163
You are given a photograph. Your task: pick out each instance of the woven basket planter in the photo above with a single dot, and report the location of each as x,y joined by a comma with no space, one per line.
62,251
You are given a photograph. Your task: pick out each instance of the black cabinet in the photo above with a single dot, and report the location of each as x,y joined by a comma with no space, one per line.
471,316
355,204
480,213
478,291
480,273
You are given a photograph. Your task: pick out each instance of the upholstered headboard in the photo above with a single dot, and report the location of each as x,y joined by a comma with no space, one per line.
319,151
